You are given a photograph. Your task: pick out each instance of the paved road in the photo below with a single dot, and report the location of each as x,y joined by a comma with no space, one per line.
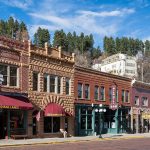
114,144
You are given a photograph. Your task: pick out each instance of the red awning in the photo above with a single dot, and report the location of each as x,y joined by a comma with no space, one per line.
13,103
54,109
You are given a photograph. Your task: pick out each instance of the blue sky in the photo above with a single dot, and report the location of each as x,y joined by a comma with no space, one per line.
129,18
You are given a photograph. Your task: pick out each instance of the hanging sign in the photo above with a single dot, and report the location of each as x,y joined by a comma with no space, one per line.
113,104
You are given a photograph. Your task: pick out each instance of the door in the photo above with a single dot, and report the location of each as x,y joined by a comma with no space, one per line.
3,124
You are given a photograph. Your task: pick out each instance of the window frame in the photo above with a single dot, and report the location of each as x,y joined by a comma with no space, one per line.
7,77
87,91
81,91
96,92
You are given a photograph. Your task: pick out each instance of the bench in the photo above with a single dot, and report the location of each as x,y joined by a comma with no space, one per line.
19,136
63,132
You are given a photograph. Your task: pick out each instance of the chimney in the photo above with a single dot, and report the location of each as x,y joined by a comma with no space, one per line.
59,50
46,47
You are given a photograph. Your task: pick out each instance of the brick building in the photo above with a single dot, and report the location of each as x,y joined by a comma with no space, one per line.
51,91
14,103
93,88
140,111
43,76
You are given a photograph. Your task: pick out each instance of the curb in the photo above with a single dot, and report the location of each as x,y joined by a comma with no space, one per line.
73,141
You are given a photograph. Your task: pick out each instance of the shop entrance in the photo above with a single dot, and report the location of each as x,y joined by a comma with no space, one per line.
3,124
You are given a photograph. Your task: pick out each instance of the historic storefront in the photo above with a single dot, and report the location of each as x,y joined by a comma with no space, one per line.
14,103
51,91
93,88
140,112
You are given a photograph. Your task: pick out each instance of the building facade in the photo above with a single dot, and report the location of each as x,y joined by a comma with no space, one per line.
92,88
51,90
118,64
140,111
14,103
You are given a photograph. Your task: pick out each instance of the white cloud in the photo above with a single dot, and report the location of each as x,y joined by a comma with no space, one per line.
113,13
17,3
51,18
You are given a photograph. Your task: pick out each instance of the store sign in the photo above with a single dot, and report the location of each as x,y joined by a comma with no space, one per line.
113,104
8,107
146,115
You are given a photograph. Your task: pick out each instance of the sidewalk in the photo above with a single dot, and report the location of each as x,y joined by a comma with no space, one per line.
11,142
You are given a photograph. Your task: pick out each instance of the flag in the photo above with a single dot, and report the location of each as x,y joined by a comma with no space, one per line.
38,116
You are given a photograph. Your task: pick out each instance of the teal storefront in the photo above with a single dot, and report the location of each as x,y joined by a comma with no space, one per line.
89,122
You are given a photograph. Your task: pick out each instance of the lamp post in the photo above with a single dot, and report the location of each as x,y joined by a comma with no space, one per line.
100,109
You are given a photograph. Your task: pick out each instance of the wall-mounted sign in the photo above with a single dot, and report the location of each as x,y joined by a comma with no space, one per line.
8,107
113,104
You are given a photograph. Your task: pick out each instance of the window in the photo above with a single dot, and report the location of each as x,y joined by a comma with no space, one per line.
80,90
110,94
17,120
59,85
35,81
144,101
87,91
52,83
67,86
96,89
10,75
51,124
127,96
13,76
45,82
102,96
136,100
123,95
86,118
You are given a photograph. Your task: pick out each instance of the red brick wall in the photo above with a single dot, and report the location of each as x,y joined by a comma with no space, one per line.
92,77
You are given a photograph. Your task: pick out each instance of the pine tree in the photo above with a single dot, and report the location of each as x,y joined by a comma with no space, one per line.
41,36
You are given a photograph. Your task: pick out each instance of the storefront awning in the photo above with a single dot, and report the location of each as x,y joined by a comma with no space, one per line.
54,109
13,103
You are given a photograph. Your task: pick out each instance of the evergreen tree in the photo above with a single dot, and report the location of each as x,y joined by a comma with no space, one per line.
41,36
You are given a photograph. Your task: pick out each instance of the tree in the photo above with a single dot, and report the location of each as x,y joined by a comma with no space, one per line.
41,36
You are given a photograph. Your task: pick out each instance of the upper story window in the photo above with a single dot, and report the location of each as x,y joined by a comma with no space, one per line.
110,94
96,89
35,81
59,82
102,93
127,96
136,100
123,95
10,75
67,86
87,91
80,90
45,83
144,101
52,83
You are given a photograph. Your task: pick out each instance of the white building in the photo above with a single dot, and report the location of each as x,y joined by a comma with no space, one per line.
119,64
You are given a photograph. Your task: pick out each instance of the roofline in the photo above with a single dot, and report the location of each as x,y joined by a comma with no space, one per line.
101,73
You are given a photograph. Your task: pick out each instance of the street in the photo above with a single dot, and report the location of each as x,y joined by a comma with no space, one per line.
108,144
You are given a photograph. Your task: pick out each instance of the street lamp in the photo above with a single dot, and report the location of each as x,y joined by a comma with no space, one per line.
100,109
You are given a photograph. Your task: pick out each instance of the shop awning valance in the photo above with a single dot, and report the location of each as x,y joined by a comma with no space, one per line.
7,102
54,109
